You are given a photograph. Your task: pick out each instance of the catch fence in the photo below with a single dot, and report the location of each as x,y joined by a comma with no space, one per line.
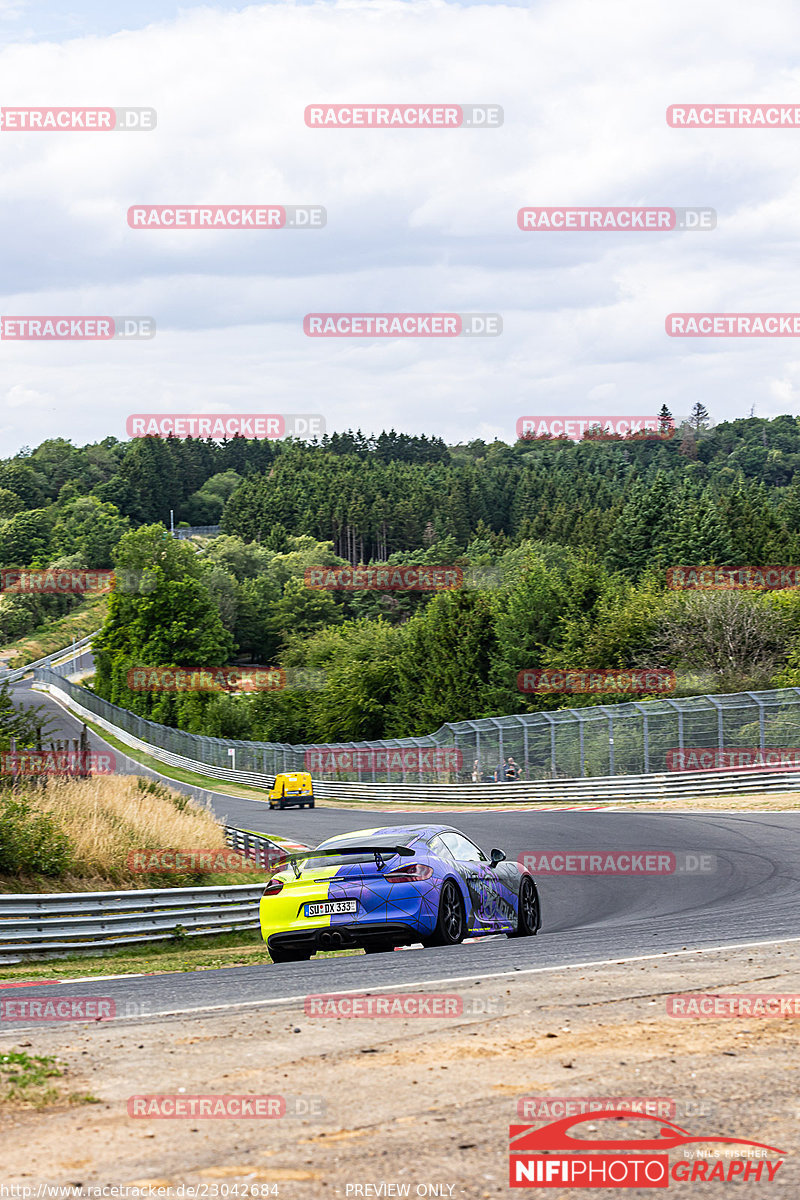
632,738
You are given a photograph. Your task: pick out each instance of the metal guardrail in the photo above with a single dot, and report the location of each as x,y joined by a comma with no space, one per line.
262,850
607,789
198,531
18,672
73,922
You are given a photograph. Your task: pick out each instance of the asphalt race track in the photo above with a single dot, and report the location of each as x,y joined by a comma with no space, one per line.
751,893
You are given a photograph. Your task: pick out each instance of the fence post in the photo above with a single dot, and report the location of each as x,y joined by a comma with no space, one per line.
583,759
720,730
610,745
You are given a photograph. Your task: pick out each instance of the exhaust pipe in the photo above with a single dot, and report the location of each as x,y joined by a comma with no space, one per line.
330,939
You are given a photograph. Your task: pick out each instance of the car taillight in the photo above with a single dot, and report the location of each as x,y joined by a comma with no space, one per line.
273,887
412,873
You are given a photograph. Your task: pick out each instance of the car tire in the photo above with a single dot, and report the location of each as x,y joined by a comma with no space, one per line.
529,916
287,954
451,924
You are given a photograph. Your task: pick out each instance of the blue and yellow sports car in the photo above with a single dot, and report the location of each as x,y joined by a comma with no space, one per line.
381,888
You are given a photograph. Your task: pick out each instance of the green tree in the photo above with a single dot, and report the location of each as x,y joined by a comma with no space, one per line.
160,614
25,538
89,529
444,665
698,418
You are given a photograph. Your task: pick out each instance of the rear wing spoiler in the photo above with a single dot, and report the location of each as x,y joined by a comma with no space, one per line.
378,852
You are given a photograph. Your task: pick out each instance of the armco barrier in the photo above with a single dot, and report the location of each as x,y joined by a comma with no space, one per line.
73,922
49,660
256,846
610,789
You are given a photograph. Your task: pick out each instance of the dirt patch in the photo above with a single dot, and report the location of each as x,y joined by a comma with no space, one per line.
418,1101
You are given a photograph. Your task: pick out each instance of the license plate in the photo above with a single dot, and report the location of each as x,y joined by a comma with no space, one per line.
326,908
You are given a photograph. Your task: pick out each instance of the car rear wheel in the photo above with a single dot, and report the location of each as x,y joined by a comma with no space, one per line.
284,954
528,915
451,925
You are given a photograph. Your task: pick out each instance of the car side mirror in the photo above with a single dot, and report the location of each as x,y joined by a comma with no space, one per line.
497,856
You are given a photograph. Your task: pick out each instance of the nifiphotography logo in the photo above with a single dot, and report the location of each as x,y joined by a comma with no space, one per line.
549,1156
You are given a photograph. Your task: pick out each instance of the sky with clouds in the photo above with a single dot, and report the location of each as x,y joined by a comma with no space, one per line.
417,220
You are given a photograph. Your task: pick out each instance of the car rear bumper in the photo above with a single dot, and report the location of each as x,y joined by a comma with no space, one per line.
344,937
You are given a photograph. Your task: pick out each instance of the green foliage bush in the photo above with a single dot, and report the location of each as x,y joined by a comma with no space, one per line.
31,843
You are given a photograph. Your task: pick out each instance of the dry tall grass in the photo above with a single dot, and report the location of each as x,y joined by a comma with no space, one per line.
108,816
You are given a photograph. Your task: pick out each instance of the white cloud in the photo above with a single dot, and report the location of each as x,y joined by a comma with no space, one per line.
417,221
20,396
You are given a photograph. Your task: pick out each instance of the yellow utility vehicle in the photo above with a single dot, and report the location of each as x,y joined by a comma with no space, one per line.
293,788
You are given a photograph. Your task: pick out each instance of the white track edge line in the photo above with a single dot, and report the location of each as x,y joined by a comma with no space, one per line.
370,989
